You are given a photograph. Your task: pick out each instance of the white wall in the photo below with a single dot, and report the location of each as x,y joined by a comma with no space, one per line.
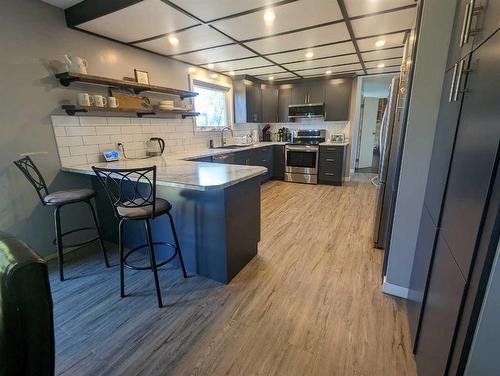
430,64
368,127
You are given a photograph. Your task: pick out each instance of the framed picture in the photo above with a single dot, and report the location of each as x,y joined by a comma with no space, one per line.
141,77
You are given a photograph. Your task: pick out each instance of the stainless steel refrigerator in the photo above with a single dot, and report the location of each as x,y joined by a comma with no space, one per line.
392,135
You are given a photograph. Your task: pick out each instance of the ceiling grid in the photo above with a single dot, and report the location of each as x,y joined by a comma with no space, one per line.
284,39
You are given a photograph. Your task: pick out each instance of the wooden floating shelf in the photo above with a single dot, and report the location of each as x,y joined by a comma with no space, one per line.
73,110
67,78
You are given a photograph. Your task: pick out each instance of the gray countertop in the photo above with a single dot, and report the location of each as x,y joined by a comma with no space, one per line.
178,170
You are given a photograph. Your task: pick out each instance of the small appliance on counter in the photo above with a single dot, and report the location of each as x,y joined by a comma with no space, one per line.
155,147
266,133
339,137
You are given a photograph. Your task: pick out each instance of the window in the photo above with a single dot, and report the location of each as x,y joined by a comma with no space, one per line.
212,102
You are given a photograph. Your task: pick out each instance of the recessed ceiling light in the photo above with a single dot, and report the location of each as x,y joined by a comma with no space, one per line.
380,43
214,75
309,54
269,16
173,40
328,72
381,65
231,73
192,69
270,78
211,66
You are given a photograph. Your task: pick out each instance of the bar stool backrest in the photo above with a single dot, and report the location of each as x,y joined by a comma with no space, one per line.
31,172
129,188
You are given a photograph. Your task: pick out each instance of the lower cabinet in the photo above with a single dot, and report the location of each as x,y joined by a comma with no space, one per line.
331,164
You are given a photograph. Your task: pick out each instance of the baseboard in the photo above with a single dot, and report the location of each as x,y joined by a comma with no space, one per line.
395,290
53,256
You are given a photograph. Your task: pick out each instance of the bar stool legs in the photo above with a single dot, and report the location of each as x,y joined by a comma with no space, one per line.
99,234
152,258
60,254
122,258
177,245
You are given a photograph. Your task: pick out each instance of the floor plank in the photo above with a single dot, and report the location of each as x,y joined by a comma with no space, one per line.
309,304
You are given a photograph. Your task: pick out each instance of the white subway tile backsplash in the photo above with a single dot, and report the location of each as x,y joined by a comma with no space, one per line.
83,150
69,141
65,121
94,140
93,120
89,136
108,130
80,131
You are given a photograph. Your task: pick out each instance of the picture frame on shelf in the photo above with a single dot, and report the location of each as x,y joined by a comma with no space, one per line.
141,77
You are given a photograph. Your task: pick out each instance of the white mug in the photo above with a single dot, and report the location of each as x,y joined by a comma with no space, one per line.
113,102
85,100
99,100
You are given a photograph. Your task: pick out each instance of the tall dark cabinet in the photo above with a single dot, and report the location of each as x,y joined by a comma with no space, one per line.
448,258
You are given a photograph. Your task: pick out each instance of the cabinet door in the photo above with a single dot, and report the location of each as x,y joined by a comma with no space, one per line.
269,104
284,100
475,154
316,92
458,49
486,20
338,99
279,162
446,288
299,93
444,141
254,103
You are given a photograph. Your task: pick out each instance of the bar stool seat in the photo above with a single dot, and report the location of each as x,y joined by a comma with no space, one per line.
130,211
68,197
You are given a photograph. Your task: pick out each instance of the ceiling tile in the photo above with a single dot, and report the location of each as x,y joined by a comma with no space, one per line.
216,54
62,3
260,71
391,40
189,40
331,50
207,10
308,38
344,68
382,54
278,76
360,7
142,20
383,70
240,64
384,23
291,16
323,62
387,63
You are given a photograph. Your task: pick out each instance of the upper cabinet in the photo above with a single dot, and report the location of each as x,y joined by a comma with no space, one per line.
338,99
308,92
270,106
247,102
284,100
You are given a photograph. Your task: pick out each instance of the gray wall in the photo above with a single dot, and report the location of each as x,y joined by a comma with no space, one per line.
33,36
432,51
483,356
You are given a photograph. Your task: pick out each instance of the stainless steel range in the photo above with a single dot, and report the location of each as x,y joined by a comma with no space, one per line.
302,155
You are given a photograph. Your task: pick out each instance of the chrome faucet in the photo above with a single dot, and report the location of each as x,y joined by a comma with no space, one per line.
222,142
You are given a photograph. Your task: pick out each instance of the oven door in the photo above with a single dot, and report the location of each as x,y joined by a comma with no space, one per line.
301,159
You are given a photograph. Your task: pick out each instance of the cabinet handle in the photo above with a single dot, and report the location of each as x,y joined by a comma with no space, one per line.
330,160
459,79
264,160
329,174
452,87
331,149
467,17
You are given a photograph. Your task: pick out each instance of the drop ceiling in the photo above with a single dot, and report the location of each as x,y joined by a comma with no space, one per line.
284,39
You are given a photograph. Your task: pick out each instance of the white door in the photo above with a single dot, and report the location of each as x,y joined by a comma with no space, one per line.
368,132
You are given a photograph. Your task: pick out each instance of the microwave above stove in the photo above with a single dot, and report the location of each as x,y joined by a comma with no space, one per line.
307,110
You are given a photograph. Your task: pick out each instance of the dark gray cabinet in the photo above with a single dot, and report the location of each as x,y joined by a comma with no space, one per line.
308,92
279,162
269,103
247,102
284,100
331,164
338,99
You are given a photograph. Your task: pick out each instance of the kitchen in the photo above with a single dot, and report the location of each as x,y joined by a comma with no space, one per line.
232,133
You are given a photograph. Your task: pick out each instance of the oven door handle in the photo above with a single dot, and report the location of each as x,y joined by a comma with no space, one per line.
307,150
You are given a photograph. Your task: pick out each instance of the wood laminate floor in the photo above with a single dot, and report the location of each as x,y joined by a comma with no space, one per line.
309,304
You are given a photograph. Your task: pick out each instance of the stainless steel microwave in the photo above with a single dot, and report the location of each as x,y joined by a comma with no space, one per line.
307,110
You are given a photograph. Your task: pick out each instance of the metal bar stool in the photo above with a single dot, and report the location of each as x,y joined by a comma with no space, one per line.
58,200
132,193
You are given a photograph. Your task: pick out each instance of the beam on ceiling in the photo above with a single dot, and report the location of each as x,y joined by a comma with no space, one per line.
88,10
348,24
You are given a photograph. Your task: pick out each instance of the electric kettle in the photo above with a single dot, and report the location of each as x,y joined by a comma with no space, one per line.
155,147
